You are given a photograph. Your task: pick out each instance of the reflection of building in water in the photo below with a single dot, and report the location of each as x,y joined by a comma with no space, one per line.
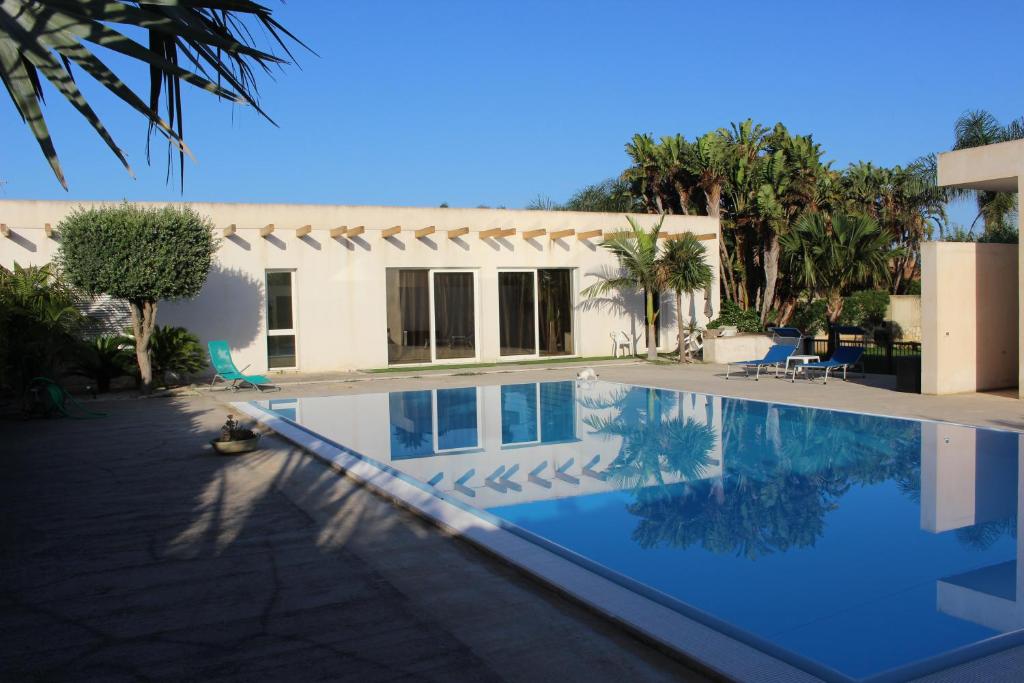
971,477
510,444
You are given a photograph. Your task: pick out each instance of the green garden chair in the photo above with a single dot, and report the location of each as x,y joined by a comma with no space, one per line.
225,370
45,397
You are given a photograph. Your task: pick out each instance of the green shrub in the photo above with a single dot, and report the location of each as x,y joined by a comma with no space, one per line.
810,318
865,309
102,360
731,314
40,322
175,353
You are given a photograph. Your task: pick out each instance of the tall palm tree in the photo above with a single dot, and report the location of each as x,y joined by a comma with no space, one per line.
975,129
832,257
207,44
684,269
639,271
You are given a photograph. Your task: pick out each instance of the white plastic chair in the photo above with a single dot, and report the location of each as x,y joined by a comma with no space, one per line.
619,340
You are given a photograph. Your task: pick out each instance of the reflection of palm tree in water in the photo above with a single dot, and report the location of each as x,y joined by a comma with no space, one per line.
652,445
782,474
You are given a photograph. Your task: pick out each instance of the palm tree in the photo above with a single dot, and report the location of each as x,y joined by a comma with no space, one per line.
975,129
830,258
684,270
208,45
637,252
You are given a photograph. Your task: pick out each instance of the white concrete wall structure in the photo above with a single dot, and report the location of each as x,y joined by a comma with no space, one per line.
969,322
997,168
339,291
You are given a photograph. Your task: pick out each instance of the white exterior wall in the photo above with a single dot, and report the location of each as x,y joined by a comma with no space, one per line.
339,286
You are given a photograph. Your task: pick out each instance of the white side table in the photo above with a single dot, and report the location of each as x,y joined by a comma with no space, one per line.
804,360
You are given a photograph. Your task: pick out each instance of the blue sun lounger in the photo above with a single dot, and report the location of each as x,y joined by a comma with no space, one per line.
775,358
225,370
844,357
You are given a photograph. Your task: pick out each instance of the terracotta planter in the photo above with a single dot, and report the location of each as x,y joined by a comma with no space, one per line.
235,447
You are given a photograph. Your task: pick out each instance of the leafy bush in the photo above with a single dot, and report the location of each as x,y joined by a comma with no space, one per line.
997,234
731,314
40,319
810,318
102,360
175,353
865,309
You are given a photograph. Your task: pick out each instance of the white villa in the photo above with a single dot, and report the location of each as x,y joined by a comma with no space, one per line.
318,288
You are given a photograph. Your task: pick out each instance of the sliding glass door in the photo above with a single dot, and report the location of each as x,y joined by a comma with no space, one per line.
517,314
408,314
535,312
454,315
431,315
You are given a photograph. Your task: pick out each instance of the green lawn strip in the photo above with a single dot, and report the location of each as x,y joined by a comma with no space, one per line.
473,366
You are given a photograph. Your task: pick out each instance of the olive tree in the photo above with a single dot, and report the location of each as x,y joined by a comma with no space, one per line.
143,255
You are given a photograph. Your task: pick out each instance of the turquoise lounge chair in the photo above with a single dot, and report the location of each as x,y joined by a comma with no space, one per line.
225,370
44,397
775,358
844,357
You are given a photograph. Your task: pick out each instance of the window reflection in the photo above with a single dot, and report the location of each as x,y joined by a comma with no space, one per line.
554,403
425,423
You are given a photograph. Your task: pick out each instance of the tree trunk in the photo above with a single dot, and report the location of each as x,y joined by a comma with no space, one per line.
683,196
833,309
143,314
684,349
652,343
771,275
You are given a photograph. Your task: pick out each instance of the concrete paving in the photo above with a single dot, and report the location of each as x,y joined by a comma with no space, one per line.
130,551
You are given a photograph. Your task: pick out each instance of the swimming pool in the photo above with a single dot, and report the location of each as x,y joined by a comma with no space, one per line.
854,546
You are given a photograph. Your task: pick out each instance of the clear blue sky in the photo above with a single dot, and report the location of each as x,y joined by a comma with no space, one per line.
418,103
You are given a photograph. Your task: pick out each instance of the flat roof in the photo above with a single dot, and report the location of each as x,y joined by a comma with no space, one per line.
993,167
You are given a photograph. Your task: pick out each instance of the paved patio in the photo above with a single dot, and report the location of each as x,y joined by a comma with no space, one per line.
131,551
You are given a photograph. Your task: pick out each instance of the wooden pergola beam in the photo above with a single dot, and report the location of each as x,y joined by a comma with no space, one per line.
266,230
339,231
355,231
391,232
589,234
488,234
423,232
559,234
612,233
303,231
704,237
531,234
4,230
229,230
48,230
455,233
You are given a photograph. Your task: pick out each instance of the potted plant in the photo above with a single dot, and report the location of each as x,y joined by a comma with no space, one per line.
234,438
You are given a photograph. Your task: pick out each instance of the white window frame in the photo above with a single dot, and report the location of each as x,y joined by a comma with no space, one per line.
295,318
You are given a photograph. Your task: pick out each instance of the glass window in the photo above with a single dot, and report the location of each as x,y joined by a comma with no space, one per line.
518,413
456,419
408,315
280,320
454,316
281,351
554,311
557,411
279,301
516,314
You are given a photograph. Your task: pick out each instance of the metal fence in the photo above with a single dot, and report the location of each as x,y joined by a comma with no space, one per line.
878,358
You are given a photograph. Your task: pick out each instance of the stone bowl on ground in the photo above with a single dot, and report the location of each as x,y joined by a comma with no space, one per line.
242,441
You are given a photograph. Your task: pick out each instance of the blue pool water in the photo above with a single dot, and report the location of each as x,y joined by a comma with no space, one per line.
844,542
